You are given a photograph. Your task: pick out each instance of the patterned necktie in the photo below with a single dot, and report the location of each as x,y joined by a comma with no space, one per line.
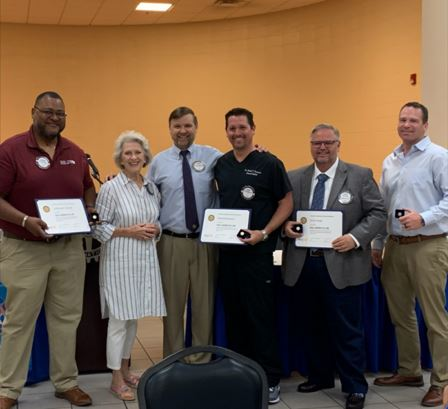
191,213
319,192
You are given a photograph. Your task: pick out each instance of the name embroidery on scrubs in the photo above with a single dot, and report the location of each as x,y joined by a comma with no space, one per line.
252,172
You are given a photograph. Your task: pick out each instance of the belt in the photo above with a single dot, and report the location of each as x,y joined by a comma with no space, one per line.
316,253
181,235
414,239
15,237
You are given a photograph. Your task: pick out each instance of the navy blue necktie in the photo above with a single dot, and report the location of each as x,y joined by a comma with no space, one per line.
319,192
191,213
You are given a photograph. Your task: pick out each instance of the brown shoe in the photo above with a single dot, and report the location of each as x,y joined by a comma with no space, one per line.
433,397
399,380
75,396
7,403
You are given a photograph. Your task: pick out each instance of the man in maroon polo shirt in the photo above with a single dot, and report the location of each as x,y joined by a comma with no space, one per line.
37,268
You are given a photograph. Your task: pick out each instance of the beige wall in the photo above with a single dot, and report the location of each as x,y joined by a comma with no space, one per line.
341,61
434,79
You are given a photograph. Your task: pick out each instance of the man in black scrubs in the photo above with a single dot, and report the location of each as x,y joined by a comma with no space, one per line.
248,179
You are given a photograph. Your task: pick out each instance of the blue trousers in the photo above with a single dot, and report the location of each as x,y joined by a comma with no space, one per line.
333,324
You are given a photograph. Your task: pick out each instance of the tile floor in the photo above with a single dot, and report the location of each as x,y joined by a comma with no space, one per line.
148,350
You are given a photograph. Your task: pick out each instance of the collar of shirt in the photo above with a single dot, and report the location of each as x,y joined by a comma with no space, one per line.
175,151
32,143
419,146
331,172
125,180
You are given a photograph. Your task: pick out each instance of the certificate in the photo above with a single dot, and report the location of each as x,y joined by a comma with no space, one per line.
63,216
222,225
320,228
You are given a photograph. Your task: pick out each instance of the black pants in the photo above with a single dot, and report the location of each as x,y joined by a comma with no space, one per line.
249,296
333,324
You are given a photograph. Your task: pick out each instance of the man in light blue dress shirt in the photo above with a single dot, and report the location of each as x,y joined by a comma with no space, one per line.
187,265
414,185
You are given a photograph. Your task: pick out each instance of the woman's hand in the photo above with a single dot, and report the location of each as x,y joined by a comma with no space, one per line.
141,231
153,229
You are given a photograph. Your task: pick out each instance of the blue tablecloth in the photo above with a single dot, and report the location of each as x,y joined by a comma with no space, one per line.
38,369
380,339
381,348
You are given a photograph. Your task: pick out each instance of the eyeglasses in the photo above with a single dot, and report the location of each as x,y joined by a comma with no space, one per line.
48,113
318,144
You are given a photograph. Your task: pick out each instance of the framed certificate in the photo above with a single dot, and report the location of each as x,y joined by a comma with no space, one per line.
320,228
63,216
222,225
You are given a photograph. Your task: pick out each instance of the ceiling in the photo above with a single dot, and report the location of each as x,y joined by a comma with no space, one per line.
122,12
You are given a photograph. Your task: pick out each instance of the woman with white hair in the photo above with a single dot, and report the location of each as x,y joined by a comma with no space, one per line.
130,282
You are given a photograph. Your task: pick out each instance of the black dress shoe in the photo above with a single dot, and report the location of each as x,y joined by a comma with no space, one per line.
307,387
355,401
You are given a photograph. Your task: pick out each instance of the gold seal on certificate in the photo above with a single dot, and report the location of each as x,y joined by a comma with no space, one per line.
222,225
63,216
320,228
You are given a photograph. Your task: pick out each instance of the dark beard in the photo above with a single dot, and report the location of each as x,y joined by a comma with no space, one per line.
42,132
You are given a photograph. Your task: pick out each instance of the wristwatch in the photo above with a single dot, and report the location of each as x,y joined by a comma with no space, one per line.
265,235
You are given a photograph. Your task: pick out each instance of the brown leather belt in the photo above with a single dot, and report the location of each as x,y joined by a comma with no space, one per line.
414,239
15,237
181,235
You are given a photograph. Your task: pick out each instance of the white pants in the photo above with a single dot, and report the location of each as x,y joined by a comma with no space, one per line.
120,339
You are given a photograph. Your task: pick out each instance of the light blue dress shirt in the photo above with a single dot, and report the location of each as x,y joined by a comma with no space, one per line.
166,172
417,181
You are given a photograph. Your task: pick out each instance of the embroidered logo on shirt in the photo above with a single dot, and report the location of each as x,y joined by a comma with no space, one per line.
67,162
198,166
42,162
252,172
247,192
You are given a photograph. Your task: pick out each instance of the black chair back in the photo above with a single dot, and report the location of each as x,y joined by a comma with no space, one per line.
228,381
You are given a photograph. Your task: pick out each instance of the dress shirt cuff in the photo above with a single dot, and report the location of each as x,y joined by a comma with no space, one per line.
428,217
103,232
355,240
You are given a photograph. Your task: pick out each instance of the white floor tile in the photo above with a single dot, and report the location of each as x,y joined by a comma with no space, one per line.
42,401
148,350
41,387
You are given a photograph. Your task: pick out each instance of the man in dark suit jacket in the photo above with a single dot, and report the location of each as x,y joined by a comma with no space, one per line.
327,281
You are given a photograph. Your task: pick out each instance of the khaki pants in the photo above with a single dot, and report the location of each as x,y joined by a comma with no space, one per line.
37,273
187,266
418,270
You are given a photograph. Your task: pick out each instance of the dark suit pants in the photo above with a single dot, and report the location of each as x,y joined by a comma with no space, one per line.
332,319
248,291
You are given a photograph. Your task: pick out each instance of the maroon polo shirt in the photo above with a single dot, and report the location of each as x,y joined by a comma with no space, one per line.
27,173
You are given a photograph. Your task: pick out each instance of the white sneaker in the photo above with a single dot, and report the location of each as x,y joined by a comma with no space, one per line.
274,394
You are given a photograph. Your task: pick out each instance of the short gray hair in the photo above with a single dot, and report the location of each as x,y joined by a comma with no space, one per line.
326,126
131,136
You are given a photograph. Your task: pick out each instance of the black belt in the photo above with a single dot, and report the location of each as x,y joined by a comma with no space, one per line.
181,235
414,239
316,253
15,237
